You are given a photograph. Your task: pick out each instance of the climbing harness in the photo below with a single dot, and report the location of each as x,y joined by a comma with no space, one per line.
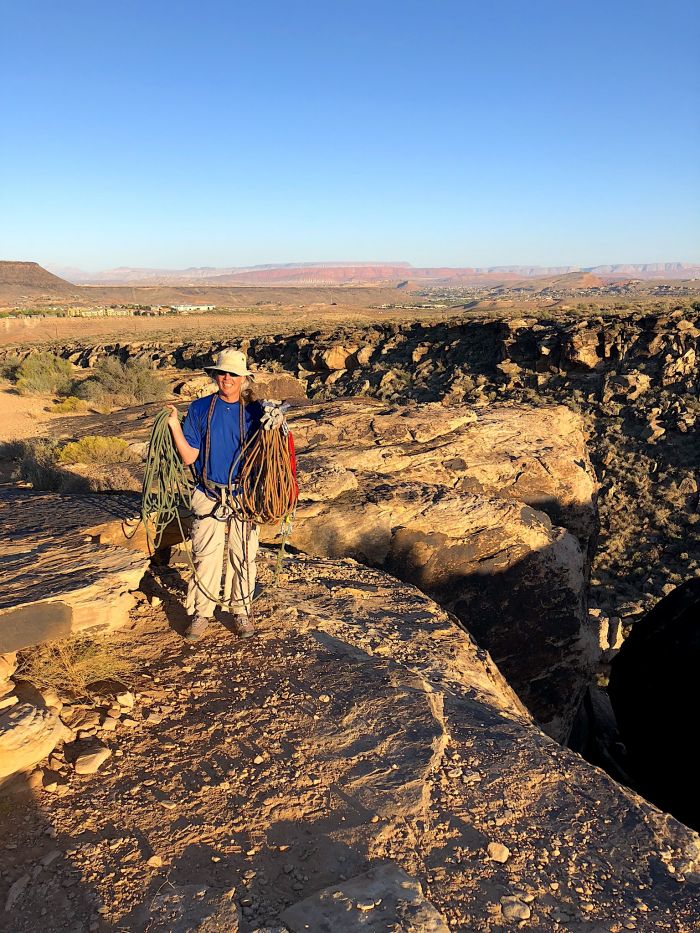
264,491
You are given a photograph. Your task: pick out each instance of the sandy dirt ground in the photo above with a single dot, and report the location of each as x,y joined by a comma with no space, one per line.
24,416
269,320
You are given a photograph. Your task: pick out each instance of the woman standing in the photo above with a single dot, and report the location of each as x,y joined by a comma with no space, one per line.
211,438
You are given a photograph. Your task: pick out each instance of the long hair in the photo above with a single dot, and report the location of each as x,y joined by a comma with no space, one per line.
248,393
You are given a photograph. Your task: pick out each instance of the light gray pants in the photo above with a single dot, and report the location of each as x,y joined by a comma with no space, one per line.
208,539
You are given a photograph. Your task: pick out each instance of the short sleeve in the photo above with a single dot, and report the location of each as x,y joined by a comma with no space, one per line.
253,414
192,428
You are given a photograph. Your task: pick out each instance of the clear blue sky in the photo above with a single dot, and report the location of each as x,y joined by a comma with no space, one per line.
172,134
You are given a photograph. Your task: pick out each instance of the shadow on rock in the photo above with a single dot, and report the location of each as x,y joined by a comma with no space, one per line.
653,689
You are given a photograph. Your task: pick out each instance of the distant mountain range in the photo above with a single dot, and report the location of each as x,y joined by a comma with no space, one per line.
27,281
369,273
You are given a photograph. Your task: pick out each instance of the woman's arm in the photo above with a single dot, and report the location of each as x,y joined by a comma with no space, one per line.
188,454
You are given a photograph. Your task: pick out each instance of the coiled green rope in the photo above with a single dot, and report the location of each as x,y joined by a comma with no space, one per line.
167,485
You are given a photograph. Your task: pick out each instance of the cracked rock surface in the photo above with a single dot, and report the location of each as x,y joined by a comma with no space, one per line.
361,727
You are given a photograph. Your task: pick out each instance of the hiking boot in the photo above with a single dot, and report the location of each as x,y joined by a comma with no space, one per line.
243,625
196,630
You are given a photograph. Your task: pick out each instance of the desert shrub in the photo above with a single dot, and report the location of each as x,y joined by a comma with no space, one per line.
71,666
95,478
71,403
37,464
46,465
117,383
93,448
44,373
12,450
9,367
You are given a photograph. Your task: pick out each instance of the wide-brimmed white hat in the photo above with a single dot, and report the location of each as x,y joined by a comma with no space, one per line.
231,361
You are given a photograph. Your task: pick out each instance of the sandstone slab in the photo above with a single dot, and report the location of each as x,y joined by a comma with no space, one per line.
348,665
27,735
515,582
56,579
461,504
532,454
383,898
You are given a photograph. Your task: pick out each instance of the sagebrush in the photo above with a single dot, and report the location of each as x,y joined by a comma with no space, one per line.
70,403
37,464
94,448
46,465
9,367
116,383
44,373
73,665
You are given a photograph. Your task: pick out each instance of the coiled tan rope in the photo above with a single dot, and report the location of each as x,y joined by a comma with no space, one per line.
266,487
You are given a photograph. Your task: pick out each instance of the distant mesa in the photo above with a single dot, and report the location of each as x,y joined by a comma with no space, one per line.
30,280
385,273
30,277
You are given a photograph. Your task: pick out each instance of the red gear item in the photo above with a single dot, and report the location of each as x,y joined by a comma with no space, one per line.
293,462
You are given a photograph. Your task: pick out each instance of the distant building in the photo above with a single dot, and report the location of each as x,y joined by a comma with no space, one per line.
184,309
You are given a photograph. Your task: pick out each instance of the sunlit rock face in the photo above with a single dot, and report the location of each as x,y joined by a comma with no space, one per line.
452,501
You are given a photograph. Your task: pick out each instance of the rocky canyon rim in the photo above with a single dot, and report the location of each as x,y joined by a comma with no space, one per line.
584,357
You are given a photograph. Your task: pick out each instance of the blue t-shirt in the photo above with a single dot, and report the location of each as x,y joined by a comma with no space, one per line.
225,442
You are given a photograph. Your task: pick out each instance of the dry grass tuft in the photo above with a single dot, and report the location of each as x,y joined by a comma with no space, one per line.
71,666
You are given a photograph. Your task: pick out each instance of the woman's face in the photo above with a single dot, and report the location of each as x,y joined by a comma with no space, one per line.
228,384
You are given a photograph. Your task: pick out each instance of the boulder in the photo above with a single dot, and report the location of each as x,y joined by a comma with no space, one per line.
337,357
464,528
27,734
581,347
279,386
633,384
513,580
90,758
533,454
8,665
194,387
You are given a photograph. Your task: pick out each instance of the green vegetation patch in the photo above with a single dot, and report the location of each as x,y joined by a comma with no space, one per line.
70,404
9,367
